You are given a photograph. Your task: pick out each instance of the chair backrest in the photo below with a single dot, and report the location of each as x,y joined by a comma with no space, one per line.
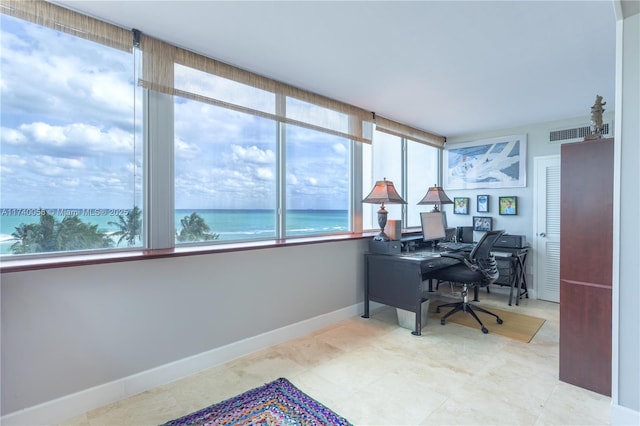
482,258
482,250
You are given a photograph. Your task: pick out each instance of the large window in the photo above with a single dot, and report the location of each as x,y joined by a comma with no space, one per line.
423,171
317,181
236,144
70,150
225,161
412,167
317,171
105,146
225,182
386,163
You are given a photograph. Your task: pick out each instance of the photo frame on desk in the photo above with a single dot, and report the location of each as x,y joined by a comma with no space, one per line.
482,223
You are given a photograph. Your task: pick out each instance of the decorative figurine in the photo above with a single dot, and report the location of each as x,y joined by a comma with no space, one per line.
596,119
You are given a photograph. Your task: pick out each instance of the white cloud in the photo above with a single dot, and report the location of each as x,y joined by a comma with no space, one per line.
11,161
186,150
339,148
44,133
292,179
252,154
11,136
55,166
70,182
131,168
264,173
77,138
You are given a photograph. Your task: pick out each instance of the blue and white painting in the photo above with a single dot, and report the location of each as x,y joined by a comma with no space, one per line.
491,163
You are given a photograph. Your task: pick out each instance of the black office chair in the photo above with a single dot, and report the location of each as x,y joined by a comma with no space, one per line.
478,269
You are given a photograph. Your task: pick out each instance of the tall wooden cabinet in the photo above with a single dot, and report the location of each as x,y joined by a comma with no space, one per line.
586,242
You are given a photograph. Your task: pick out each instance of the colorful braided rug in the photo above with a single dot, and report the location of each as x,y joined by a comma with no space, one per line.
276,403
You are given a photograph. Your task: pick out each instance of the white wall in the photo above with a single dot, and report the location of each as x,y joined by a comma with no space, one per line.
69,329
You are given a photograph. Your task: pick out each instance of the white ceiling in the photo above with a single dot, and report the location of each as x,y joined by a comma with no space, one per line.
448,67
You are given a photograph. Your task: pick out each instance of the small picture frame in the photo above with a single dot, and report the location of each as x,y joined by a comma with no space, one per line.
508,205
483,204
482,223
461,205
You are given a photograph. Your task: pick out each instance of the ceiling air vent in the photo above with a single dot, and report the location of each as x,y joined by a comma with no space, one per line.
577,134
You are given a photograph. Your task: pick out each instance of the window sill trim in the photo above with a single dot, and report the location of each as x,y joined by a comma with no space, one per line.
31,264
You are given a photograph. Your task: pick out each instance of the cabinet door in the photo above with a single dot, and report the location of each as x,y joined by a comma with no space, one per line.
586,206
586,244
585,336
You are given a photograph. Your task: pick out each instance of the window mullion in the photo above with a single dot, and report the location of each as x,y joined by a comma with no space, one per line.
281,168
355,193
405,179
159,171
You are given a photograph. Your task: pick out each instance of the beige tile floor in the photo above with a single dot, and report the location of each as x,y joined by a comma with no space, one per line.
374,372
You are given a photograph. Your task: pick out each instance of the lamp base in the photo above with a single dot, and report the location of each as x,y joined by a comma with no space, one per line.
382,222
381,237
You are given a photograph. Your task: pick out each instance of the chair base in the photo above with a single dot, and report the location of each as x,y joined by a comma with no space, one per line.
468,308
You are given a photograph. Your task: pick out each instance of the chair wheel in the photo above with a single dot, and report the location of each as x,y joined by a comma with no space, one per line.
442,321
484,330
499,320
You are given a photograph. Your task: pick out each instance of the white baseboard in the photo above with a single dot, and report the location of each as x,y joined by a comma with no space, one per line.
623,416
75,404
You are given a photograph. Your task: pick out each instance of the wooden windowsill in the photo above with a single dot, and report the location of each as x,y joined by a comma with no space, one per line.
61,261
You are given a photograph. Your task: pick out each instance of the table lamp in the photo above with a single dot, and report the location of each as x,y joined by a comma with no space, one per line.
383,192
436,196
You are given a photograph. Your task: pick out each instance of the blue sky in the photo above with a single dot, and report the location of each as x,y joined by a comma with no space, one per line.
70,138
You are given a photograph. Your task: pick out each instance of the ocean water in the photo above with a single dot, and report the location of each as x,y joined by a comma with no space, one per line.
232,225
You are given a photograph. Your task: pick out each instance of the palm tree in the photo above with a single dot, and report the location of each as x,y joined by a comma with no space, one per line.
73,234
35,237
46,238
25,234
129,227
194,228
50,235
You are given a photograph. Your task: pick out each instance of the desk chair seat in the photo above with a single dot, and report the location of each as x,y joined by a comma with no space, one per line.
477,269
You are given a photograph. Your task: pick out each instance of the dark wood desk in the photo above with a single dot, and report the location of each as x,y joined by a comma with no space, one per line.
398,280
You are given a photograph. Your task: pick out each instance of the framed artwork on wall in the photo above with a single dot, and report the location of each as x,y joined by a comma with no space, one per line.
482,223
461,205
483,204
490,163
508,205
